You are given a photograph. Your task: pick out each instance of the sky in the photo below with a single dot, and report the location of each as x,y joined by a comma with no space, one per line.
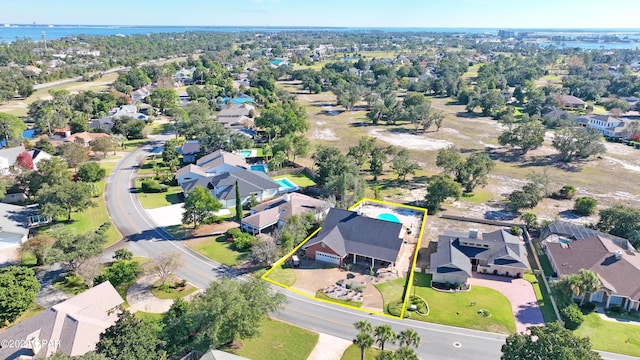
572,14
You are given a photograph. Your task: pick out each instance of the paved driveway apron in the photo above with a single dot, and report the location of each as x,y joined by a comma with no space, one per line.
521,295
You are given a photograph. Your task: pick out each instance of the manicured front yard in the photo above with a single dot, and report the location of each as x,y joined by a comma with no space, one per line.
611,336
284,276
301,179
278,340
218,249
456,309
544,300
391,291
156,200
173,289
353,353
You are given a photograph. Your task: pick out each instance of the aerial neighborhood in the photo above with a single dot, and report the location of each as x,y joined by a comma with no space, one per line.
193,196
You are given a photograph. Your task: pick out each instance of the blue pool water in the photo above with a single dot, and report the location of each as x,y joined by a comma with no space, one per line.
564,241
388,217
245,153
259,167
286,184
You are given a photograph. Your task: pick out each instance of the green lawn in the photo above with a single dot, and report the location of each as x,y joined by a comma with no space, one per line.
72,285
173,292
392,291
28,259
544,300
278,340
478,197
286,277
353,353
156,128
218,249
130,145
156,200
299,179
149,317
321,295
610,335
92,218
455,309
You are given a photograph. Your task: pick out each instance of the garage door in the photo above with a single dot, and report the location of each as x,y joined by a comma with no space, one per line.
330,258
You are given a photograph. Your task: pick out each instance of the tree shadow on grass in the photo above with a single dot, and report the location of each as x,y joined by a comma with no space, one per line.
174,198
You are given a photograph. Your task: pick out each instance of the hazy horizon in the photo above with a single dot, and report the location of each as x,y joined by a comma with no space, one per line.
470,14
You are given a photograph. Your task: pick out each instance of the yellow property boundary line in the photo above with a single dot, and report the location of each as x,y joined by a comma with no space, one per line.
408,285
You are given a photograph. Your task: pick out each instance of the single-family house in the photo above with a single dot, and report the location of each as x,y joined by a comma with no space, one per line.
241,122
85,138
189,150
346,235
273,213
72,327
38,155
223,186
14,225
616,263
216,355
460,254
8,158
571,247
213,163
624,130
234,110
603,122
569,101
557,115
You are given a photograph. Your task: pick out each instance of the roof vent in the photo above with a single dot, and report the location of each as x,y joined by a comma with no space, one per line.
473,233
618,254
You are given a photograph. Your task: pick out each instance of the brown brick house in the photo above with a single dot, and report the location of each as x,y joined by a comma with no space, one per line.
349,236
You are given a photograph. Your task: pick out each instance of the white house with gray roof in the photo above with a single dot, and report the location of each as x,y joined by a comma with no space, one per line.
460,254
223,186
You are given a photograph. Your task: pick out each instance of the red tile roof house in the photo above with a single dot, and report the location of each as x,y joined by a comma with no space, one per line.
346,236
273,213
572,247
72,327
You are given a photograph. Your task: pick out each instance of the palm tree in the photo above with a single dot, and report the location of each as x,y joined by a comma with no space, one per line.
405,353
409,337
363,341
384,334
386,355
589,282
363,326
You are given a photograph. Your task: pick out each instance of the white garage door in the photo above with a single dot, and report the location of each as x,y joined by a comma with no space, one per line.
330,258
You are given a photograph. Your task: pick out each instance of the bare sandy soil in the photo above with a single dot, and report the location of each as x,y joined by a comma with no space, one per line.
409,141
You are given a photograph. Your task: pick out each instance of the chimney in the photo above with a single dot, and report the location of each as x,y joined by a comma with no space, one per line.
473,233
618,254
286,198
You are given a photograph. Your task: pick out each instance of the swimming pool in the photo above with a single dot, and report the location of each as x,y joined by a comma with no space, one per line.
388,217
260,167
286,184
245,153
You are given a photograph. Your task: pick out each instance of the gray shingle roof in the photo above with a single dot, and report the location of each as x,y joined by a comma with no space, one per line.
503,249
249,181
14,219
346,232
190,147
579,232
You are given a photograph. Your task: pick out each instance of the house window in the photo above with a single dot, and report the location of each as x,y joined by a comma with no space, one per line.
485,245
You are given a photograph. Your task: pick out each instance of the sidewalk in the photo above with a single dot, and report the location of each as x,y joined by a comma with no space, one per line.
329,348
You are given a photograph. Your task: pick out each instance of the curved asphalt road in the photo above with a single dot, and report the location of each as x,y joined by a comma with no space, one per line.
144,237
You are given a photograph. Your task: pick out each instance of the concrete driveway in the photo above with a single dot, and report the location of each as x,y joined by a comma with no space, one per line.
172,214
521,295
